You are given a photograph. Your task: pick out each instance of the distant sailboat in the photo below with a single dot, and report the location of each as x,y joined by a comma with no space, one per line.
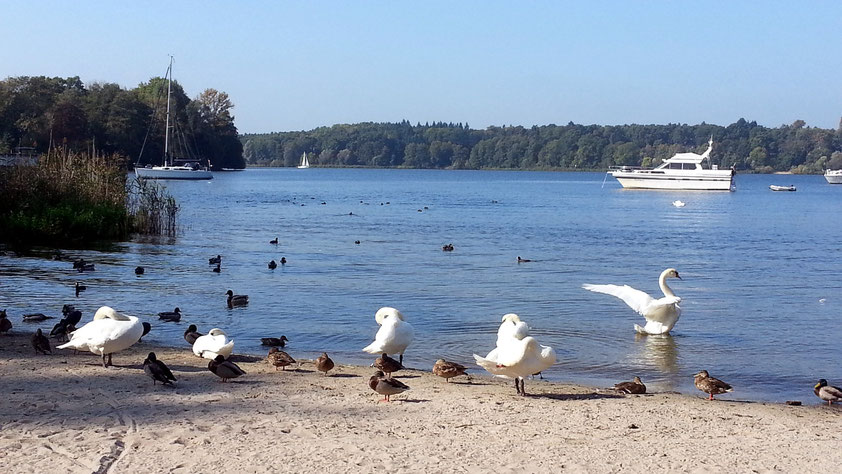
168,169
305,163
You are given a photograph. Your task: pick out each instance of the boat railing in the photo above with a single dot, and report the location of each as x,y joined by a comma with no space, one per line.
625,168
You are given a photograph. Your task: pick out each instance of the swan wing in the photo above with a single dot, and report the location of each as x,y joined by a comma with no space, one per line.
393,337
636,299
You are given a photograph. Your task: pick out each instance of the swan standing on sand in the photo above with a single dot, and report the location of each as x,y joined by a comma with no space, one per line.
394,335
212,344
661,314
517,354
109,332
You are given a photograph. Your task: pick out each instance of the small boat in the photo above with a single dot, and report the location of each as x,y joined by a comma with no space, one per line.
684,171
833,176
782,188
169,170
305,163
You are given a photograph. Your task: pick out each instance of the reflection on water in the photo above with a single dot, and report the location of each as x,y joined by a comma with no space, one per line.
659,352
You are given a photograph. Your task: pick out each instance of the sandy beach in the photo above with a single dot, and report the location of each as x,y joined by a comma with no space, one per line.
66,413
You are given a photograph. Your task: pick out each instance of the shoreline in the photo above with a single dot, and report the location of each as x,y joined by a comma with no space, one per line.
68,412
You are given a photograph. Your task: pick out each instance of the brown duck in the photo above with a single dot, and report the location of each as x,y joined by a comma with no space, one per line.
446,369
279,358
387,364
324,363
828,393
708,384
635,387
386,386
5,324
40,343
225,369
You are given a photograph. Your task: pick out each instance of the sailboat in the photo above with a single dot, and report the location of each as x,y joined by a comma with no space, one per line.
169,170
305,163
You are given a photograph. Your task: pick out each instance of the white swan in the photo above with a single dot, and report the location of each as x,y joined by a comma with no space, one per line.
661,314
512,326
517,354
214,343
394,335
109,332
679,203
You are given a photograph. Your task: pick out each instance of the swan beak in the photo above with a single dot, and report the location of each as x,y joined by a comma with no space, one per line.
678,276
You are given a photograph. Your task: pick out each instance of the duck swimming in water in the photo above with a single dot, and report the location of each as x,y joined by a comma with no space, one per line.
274,341
173,316
215,260
236,300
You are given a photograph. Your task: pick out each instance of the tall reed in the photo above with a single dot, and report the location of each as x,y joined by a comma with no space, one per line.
70,199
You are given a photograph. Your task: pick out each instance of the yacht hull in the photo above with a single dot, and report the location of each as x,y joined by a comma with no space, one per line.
833,177
172,172
722,181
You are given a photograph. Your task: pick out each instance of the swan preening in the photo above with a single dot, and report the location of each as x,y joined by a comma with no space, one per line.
517,353
109,332
661,314
394,335
212,344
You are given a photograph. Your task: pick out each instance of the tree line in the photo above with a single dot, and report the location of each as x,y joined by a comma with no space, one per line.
37,113
742,144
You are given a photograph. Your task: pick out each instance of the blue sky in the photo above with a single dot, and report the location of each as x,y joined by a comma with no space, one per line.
299,65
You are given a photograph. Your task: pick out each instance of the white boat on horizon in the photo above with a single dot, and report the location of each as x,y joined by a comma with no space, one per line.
684,171
305,163
833,176
169,169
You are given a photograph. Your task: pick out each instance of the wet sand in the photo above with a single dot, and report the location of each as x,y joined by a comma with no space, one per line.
66,413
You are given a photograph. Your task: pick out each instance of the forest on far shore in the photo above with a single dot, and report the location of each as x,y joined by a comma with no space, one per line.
745,145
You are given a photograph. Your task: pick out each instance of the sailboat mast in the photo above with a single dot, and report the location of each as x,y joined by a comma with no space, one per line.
167,131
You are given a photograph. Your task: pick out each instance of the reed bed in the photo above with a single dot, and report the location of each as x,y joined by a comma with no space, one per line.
71,199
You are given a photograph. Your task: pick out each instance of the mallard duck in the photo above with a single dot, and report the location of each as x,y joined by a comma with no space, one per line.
71,314
661,314
447,247
274,241
191,334
386,386
225,369
35,317
236,300
324,363
448,370
88,267
274,341
217,268
77,264
146,328
215,260
80,288
173,316
279,358
40,343
708,384
5,324
387,364
109,332
60,330
214,343
517,354
283,260
157,370
828,393
635,387
272,265
139,271
394,335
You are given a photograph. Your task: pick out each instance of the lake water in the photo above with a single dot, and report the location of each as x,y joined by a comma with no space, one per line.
760,292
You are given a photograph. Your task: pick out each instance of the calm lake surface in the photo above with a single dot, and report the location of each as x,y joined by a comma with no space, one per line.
760,292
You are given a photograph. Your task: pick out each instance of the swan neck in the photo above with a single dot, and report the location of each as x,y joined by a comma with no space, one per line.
662,282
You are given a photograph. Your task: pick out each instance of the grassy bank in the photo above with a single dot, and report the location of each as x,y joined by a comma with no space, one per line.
70,199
